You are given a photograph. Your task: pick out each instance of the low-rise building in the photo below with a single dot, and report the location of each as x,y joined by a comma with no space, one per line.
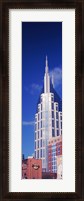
49,175
32,168
24,168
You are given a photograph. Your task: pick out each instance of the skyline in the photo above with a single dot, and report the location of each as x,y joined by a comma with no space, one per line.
38,40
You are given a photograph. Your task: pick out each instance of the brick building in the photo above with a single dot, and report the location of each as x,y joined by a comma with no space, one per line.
24,168
49,175
54,151
32,168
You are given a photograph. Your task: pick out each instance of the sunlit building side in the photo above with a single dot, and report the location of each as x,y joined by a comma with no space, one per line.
48,119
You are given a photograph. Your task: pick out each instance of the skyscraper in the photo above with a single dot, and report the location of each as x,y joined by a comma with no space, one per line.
48,118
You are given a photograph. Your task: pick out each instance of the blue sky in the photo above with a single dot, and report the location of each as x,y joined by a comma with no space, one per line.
38,40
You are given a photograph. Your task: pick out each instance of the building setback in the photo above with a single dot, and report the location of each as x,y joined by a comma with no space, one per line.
48,119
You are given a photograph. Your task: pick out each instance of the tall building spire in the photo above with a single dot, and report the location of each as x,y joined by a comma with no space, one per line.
46,78
46,67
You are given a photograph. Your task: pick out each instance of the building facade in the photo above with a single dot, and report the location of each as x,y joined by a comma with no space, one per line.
24,169
48,119
54,152
32,168
59,167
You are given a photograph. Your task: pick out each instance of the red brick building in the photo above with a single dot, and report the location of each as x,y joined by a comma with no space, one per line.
58,145
24,169
54,150
49,175
32,168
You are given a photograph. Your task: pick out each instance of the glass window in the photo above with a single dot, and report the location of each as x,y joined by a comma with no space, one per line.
57,124
53,132
52,123
59,150
56,115
41,115
38,134
57,107
53,146
38,144
60,117
38,109
38,154
41,133
41,106
41,124
52,106
57,132
38,117
52,114
41,142
41,153
38,125
61,125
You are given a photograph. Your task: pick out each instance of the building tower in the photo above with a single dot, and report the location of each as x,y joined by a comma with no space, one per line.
48,119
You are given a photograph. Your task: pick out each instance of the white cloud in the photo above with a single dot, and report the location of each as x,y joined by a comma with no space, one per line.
56,74
28,123
35,87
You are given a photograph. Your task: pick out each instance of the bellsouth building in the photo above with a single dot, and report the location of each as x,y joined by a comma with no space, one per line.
48,119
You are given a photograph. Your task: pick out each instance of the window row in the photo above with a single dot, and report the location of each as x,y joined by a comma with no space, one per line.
51,104
50,98
42,115
39,143
49,116
43,124
40,153
43,106
39,134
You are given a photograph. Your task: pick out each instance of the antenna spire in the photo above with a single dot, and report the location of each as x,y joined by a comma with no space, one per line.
46,67
46,78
